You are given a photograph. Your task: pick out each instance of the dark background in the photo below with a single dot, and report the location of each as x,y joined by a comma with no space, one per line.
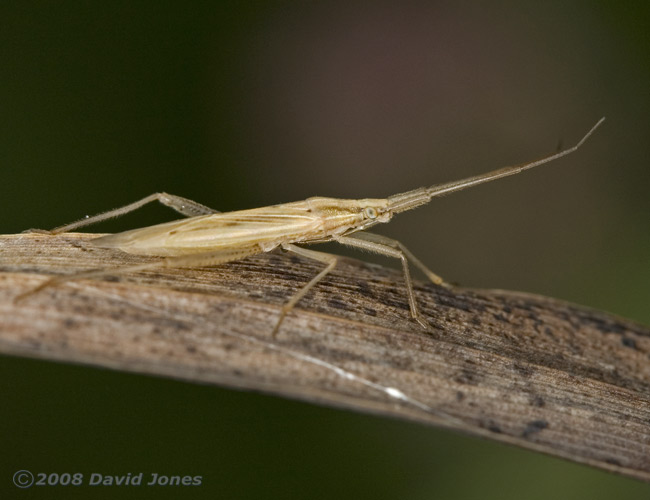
245,104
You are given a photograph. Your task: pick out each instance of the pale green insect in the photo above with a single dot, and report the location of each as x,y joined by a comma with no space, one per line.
209,238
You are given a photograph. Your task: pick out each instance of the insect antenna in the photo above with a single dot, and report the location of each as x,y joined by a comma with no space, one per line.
412,199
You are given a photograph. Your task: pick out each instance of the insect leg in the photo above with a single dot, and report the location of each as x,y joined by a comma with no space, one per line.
182,205
383,240
326,258
389,251
193,260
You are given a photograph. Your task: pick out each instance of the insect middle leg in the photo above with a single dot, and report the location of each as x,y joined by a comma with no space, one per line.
184,206
391,248
326,258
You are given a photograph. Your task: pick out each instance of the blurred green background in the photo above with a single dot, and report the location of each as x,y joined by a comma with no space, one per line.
244,104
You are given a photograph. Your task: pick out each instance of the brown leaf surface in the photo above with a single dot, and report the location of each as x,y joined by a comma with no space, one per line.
527,370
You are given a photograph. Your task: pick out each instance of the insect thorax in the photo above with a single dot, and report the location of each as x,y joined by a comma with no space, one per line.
339,215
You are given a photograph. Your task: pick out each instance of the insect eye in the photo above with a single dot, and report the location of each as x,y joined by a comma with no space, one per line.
370,212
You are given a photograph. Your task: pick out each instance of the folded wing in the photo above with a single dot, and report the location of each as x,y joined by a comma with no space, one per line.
267,227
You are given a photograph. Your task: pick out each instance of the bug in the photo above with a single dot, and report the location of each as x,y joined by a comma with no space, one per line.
208,237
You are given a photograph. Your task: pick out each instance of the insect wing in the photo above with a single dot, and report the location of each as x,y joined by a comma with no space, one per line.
265,227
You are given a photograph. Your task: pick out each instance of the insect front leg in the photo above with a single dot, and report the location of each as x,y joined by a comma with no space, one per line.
182,205
326,258
389,251
383,240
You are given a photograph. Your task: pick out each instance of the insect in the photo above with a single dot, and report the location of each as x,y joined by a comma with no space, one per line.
209,238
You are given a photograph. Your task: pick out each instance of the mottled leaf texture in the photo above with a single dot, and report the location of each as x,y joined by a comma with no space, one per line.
527,370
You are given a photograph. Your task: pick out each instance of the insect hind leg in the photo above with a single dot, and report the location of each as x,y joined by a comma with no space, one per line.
184,206
193,260
95,273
